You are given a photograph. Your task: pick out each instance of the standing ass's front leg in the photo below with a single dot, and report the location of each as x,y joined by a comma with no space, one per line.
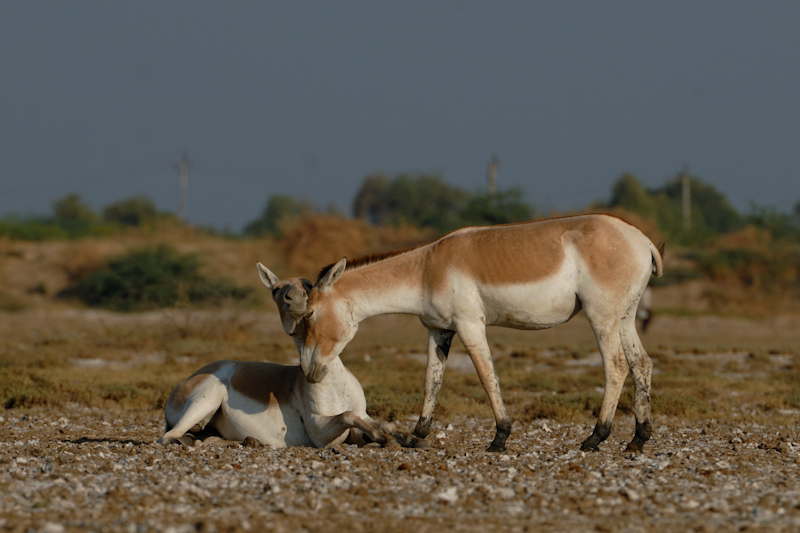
439,341
474,338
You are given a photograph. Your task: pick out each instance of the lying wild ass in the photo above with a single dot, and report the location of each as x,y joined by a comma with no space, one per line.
273,403
532,275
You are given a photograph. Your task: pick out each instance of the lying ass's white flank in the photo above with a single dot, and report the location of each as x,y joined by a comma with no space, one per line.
273,403
527,276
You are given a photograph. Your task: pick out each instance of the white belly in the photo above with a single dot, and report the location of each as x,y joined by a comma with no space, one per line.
531,306
534,305
241,417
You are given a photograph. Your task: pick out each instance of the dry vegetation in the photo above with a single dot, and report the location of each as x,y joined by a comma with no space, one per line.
134,360
58,359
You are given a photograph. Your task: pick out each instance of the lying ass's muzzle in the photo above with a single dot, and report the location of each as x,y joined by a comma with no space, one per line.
294,308
294,301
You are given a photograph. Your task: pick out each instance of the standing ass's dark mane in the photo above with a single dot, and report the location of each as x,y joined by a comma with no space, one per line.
381,256
369,259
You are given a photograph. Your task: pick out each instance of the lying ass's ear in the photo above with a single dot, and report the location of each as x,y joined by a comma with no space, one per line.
267,278
333,274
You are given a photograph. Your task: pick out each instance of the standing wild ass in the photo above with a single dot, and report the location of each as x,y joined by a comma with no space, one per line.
532,275
273,403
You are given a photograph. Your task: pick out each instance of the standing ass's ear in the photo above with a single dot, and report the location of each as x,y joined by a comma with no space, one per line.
333,274
267,278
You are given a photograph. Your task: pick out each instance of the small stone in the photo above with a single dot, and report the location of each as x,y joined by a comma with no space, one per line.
506,493
631,494
450,495
662,463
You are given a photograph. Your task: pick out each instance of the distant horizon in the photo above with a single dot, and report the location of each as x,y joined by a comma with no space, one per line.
538,210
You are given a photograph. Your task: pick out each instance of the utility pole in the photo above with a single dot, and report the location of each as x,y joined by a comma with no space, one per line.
686,196
183,169
491,177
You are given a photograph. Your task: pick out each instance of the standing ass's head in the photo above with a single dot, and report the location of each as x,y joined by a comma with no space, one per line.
290,295
328,325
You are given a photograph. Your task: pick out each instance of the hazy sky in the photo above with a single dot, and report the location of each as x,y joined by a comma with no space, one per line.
307,98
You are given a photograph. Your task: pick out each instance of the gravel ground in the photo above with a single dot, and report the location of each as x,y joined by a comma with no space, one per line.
82,469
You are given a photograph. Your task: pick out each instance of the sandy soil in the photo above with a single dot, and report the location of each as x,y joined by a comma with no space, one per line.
76,468
82,469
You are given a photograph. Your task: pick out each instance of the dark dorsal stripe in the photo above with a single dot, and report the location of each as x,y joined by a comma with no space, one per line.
378,257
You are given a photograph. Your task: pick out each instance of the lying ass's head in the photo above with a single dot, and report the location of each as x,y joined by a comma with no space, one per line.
290,295
313,316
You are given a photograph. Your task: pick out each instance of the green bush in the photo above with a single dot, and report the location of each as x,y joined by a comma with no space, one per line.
711,213
153,278
135,211
279,211
31,229
73,219
427,201
771,268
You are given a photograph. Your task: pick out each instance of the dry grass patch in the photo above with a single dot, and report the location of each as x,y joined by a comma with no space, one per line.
102,359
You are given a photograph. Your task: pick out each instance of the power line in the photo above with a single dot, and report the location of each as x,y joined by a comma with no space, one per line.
491,177
183,169
686,196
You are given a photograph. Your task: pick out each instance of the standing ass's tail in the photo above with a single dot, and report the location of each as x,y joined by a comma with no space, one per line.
658,255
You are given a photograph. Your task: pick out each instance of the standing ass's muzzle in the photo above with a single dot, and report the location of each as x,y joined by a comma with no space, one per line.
315,372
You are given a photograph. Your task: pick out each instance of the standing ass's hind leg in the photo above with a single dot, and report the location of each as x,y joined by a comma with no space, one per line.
615,368
641,370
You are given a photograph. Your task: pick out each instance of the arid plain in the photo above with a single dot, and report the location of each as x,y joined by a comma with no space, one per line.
84,389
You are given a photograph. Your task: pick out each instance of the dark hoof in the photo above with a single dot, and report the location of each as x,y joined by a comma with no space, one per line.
377,438
640,437
499,442
186,440
410,441
251,442
586,447
421,445
635,446
423,428
601,432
